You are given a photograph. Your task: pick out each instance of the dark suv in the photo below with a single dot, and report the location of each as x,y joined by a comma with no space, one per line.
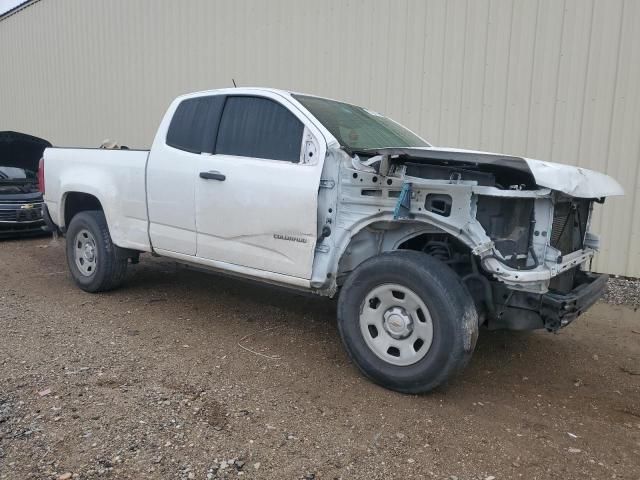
20,200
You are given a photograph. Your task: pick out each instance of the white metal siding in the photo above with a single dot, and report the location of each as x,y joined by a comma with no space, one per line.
550,79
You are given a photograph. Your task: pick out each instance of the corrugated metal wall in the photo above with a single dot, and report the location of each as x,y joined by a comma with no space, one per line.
551,79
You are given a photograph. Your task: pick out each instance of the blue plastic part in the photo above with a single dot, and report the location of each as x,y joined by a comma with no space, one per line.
403,206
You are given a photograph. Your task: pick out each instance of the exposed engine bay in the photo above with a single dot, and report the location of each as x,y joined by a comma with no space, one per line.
516,238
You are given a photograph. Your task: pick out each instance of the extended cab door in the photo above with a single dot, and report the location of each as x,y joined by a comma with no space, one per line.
256,196
187,131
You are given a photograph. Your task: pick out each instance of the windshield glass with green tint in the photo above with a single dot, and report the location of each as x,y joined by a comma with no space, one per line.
357,128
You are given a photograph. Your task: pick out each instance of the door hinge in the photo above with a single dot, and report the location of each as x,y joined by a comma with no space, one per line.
327,184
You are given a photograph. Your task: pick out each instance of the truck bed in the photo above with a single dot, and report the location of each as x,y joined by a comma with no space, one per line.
115,177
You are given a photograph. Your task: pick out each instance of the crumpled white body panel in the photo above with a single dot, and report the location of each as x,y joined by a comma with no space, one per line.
574,181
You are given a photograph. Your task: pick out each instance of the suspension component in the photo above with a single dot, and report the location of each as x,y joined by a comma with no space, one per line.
438,249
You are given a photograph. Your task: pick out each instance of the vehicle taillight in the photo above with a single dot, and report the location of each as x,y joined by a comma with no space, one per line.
41,176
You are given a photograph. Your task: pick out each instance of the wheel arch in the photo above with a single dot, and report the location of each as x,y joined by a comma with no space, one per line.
74,202
379,236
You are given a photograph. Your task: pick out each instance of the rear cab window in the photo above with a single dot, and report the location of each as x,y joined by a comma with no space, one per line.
194,124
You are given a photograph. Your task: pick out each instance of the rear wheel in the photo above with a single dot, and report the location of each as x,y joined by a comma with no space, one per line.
95,263
407,321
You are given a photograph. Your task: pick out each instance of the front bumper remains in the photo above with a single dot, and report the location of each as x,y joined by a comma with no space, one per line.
517,310
559,310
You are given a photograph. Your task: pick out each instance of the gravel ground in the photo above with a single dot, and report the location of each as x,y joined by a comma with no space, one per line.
183,375
623,291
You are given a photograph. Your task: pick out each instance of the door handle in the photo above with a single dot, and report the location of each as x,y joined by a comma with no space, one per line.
213,175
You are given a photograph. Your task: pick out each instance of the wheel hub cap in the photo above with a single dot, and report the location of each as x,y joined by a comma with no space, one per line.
89,252
85,254
398,323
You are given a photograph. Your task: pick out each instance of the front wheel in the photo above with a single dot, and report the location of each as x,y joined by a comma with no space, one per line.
95,263
407,321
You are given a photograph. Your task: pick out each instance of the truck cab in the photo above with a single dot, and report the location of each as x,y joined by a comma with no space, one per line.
233,181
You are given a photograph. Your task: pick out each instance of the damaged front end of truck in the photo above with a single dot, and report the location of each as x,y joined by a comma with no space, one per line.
516,230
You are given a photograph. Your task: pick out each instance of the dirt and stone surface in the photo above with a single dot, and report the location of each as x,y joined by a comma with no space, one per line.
182,375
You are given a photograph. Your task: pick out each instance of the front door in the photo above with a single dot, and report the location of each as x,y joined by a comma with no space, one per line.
256,196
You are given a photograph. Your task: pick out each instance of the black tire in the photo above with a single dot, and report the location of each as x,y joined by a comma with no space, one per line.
453,317
110,260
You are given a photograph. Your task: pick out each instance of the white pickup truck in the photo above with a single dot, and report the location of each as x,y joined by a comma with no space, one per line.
422,245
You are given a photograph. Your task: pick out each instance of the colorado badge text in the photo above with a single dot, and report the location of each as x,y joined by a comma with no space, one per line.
289,238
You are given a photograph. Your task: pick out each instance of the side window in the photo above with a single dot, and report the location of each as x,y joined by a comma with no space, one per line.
194,124
261,128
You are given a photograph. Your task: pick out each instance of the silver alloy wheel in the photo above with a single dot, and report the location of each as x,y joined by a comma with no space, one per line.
396,324
85,252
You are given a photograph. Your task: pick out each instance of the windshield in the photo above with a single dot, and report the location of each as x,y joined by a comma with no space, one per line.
13,174
357,128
